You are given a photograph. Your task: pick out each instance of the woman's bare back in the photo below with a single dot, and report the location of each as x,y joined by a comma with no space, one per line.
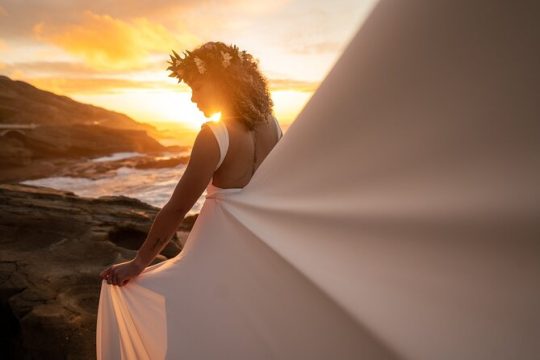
245,147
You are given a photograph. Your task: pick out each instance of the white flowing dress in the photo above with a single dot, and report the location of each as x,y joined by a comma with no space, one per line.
397,218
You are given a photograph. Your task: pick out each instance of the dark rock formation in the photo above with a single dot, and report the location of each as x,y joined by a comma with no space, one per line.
53,244
71,141
22,103
86,168
63,128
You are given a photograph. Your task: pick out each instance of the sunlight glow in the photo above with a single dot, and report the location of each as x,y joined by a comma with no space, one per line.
215,117
289,103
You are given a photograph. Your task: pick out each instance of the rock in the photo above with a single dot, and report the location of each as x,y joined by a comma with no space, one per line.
23,103
178,148
14,152
96,170
37,125
164,163
71,142
53,245
85,167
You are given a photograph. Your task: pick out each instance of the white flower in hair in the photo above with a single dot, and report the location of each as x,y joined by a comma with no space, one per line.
200,65
226,59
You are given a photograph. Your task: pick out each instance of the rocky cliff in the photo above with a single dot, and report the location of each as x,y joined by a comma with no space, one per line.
62,128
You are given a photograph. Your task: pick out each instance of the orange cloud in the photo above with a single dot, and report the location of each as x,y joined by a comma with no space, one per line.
293,85
70,69
103,85
3,45
318,48
72,86
106,43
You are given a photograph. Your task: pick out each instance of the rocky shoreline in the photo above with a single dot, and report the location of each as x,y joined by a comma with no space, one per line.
53,246
43,134
86,168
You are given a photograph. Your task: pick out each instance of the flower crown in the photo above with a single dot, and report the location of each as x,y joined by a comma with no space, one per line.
212,53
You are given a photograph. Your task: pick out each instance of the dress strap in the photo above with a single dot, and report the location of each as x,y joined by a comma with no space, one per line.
222,136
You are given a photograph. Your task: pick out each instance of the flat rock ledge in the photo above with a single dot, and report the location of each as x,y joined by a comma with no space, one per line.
53,245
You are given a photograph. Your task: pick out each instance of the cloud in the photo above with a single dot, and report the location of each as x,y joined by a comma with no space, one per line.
72,86
292,85
103,85
3,45
318,47
23,15
73,69
35,68
107,43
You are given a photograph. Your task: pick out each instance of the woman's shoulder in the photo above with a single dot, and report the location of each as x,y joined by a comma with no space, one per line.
219,131
217,127
207,123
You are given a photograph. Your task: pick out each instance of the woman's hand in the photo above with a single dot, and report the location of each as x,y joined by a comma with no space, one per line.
120,274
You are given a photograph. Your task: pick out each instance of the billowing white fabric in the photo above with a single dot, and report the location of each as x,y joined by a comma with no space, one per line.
398,217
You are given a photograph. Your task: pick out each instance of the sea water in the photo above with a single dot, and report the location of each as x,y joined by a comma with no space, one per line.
152,186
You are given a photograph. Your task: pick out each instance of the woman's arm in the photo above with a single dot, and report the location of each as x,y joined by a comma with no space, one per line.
199,171
162,230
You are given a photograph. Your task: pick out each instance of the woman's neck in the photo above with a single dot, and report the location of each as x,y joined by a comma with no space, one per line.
228,116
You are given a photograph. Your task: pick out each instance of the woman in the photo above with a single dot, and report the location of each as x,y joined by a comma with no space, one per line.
410,231
225,80
139,305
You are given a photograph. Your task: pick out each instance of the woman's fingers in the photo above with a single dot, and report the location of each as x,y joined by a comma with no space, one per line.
105,272
109,276
114,275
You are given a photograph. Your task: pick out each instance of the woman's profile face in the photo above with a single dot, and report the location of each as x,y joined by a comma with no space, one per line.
206,96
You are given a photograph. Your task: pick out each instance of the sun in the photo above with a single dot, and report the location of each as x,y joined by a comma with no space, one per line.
155,107
215,117
184,111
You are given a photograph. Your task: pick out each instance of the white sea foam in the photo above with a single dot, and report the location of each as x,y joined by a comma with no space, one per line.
117,156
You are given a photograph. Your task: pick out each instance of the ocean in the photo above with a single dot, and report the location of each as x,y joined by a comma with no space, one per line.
152,186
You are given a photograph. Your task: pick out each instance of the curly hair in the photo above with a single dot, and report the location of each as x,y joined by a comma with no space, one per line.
232,69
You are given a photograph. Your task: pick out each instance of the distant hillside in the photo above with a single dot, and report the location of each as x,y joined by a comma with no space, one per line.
22,103
64,128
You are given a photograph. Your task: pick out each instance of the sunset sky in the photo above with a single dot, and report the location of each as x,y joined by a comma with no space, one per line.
114,53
